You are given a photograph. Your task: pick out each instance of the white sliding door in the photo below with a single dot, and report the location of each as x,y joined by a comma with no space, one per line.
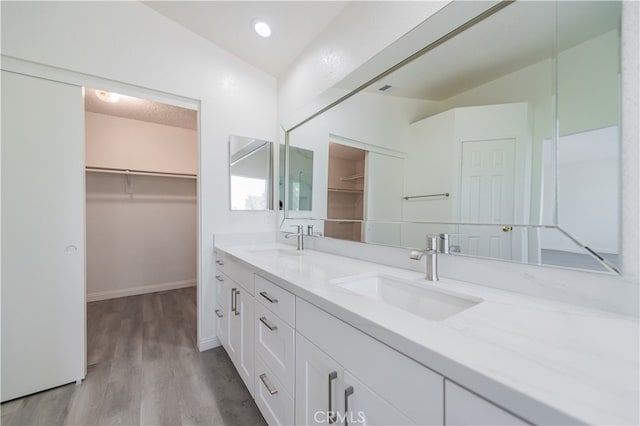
43,247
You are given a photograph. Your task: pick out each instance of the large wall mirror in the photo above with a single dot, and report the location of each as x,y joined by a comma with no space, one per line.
250,173
504,134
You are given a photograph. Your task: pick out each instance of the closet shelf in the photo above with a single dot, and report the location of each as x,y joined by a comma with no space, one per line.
352,177
139,172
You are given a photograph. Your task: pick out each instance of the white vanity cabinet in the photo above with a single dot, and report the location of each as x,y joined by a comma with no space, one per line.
392,388
466,408
235,315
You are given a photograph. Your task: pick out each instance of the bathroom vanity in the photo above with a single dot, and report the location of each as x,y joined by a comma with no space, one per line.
322,339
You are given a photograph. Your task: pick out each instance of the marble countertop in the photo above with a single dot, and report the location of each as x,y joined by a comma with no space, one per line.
548,362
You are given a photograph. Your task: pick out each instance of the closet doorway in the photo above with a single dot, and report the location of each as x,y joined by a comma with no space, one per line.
141,160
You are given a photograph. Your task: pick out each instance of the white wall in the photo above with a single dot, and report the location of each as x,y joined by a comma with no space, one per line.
139,242
128,42
122,143
360,32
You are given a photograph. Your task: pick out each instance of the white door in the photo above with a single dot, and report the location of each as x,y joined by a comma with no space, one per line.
385,185
318,385
364,407
487,196
43,247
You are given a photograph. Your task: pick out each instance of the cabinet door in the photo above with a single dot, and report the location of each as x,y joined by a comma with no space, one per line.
318,382
466,408
234,340
363,407
222,313
246,326
43,244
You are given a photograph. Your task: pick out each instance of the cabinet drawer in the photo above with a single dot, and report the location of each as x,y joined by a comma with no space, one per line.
275,404
466,408
275,344
235,270
411,388
278,300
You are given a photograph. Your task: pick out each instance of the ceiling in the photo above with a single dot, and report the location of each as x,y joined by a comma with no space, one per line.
228,24
143,110
520,35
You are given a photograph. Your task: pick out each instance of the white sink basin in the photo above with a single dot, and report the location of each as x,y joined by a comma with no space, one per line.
410,296
278,252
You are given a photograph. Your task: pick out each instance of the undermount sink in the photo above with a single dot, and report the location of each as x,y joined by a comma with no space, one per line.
278,252
408,295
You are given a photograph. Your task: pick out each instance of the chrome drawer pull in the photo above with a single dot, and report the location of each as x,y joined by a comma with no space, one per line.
266,323
218,313
219,278
268,385
219,262
269,298
332,416
237,312
347,392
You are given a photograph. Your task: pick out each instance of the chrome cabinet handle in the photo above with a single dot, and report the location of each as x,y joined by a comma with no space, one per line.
219,262
237,312
219,278
268,385
233,300
218,313
269,298
267,324
332,416
347,392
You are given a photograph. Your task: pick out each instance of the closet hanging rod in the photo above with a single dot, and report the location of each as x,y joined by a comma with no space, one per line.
444,194
139,172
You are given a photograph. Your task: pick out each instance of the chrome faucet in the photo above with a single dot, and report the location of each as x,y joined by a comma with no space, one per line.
432,257
299,234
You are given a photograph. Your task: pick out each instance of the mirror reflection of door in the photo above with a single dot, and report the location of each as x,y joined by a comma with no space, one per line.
487,196
345,192
300,178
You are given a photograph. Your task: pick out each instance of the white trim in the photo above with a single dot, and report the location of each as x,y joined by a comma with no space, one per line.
209,343
132,291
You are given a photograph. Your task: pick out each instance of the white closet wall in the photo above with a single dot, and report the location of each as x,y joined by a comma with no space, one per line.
141,230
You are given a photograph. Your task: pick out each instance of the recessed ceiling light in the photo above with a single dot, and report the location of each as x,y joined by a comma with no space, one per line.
109,97
262,28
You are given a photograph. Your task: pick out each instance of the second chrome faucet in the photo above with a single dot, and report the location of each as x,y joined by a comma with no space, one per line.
435,244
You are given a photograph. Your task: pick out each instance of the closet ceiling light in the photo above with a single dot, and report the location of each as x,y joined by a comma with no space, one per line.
109,97
262,28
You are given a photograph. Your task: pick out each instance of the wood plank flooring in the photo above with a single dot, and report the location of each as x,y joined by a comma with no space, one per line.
144,369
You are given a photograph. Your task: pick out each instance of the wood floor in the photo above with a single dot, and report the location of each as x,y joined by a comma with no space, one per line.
144,369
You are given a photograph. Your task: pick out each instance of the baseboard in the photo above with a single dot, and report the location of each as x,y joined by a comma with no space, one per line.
209,343
132,291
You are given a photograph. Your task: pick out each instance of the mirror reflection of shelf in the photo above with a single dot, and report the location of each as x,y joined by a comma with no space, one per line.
351,178
346,190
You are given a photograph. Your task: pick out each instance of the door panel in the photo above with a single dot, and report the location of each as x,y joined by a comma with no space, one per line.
364,407
317,376
487,196
43,247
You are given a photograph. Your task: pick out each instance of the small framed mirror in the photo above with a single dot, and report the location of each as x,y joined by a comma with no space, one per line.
250,173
